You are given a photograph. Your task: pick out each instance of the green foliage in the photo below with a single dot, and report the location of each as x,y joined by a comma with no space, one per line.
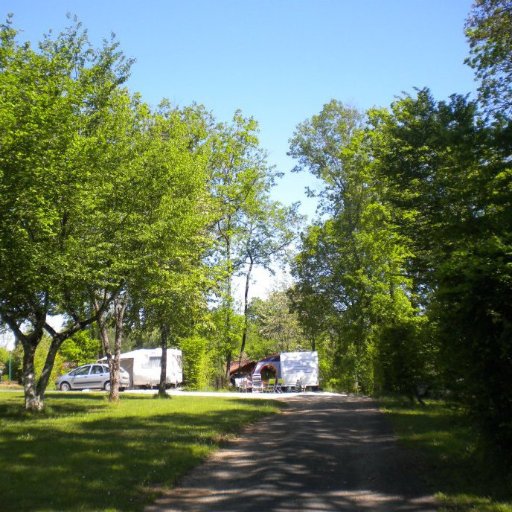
489,32
165,288
350,265
407,359
408,274
4,355
441,167
274,327
58,107
224,337
17,363
445,444
101,197
81,348
198,364
251,229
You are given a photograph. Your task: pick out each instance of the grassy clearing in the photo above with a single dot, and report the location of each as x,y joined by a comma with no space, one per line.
447,452
85,454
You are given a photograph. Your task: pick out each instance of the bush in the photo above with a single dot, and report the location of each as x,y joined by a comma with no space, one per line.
197,362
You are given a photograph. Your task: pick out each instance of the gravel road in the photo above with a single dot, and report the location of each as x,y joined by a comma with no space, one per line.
323,453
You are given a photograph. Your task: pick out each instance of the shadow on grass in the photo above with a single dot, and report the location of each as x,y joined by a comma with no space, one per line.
85,454
447,448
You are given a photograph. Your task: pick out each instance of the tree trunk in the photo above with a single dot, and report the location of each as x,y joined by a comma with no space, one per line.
229,310
164,336
44,378
33,400
101,321
229,358
105,341
246,310
112,357
119,309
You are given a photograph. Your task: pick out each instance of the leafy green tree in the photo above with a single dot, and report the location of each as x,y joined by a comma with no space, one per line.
310,295
198,369
240,182
448,177
489,32
274,326
81,348
172,289
270,230
17,363
161,214
4,359
52,250
433,177
352,262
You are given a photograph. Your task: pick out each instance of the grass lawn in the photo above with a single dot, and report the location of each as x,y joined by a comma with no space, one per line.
445,446
86,454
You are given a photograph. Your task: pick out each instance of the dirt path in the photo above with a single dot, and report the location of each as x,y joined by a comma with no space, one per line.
324,453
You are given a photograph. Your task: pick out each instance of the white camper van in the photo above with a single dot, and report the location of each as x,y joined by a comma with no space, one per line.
143,365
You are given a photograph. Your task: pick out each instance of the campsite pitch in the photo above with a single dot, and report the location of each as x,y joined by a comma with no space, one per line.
323,453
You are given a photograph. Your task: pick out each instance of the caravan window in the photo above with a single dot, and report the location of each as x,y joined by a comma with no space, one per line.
151,362
154,362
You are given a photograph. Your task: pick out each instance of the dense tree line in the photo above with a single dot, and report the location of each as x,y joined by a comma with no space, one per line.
411,258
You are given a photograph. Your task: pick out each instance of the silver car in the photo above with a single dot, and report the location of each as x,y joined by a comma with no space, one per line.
90,376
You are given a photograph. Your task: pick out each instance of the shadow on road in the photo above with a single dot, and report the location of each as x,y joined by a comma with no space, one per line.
322,454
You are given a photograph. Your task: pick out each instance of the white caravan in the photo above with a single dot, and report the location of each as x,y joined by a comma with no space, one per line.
293,369
144,368
299,367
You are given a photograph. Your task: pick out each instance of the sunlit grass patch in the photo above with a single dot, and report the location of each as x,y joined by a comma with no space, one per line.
470,503
447,452
83,453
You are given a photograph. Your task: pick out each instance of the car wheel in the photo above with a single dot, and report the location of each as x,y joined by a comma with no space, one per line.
106,387
65,386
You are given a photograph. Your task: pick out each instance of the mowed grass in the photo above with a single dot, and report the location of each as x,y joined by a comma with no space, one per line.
446,449
83,453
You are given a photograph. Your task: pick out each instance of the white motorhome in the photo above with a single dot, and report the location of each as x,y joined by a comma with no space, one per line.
144,367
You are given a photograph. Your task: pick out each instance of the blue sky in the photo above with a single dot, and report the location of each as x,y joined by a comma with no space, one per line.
276,60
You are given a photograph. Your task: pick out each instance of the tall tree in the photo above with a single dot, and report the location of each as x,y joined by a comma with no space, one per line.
448,176
51,249
171,289
352,261
270,230
162,211
240,181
